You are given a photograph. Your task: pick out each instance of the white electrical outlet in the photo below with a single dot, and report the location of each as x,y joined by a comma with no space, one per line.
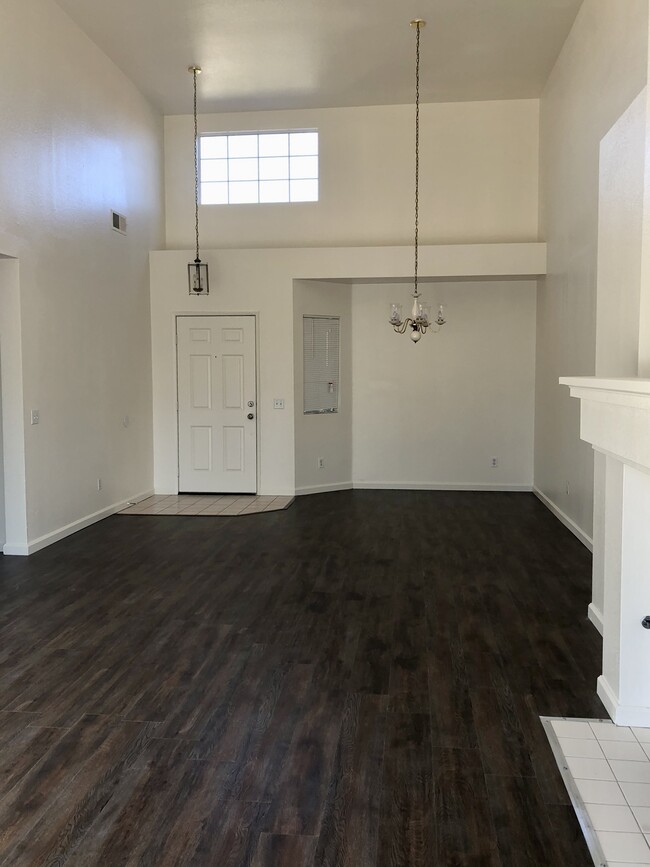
494,462
321,463
99,484
278,403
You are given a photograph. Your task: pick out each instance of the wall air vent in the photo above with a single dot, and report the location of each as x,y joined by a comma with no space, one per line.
119,222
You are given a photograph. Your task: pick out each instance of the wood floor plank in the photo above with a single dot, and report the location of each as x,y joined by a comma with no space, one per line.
350,827
407,820
503,747
465,835
452,720
409,667
257,773
374,656
299,795
282,850
521,823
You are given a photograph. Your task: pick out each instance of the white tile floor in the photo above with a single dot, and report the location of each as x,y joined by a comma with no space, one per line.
207,504
606,769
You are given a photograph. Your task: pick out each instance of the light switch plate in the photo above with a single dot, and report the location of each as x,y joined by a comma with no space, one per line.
35,417
278,403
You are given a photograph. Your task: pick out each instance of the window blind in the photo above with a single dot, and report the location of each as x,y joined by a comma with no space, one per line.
321,364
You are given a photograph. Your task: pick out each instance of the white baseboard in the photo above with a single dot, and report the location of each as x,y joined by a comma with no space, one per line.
622,715
436,486
15,550
595,615
406,486
586,540
323,489
607,695
56,535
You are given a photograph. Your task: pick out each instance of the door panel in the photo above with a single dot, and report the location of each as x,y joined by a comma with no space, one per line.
201,448
233,382
200,382
233,449
217,442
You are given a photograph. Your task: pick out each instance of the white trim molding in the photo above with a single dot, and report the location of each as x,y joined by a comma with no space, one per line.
409,486
323,489
437,486
568,522
595,616
56,535
622,715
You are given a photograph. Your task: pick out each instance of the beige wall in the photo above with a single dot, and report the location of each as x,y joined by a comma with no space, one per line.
479,166
77,140
600,71
436,413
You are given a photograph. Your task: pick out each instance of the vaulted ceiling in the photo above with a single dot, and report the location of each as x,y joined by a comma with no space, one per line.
275,54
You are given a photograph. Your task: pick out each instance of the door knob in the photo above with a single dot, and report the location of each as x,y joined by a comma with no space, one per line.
250,415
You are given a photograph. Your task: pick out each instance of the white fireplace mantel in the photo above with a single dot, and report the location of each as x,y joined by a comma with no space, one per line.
615,419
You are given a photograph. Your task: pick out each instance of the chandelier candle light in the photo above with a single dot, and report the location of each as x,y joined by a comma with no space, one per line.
197,270
420,319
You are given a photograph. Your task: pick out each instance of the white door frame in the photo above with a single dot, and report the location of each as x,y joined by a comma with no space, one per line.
180,315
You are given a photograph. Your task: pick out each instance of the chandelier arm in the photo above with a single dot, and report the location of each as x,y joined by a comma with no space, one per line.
401,328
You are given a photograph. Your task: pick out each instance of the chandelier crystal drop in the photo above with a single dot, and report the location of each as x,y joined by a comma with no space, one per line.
419,322
197,270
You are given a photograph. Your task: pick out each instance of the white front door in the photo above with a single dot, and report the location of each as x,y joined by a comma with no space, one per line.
217,404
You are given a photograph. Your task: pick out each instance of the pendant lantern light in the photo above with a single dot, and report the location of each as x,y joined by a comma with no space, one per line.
197,270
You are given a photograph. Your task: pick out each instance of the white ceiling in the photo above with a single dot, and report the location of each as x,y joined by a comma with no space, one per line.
275,54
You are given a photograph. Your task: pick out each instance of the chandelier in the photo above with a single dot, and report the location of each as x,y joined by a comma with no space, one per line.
420,320
197,270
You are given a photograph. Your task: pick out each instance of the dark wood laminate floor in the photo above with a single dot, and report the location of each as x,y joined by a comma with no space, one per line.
355,682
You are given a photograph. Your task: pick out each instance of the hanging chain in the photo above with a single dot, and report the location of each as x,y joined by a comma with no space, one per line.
196,170
417,156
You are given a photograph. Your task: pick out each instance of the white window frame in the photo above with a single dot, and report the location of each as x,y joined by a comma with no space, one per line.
294,182
321,387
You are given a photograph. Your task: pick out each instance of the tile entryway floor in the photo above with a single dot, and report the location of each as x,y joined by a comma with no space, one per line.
207,504
606,769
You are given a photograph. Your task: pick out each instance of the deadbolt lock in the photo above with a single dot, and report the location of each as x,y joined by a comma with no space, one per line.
251,403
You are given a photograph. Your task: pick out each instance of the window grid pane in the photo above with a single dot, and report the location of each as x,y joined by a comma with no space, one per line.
256,168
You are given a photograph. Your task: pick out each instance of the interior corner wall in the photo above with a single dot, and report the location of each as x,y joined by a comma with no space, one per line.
436,413
78,140
327,435
600,71
478,178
